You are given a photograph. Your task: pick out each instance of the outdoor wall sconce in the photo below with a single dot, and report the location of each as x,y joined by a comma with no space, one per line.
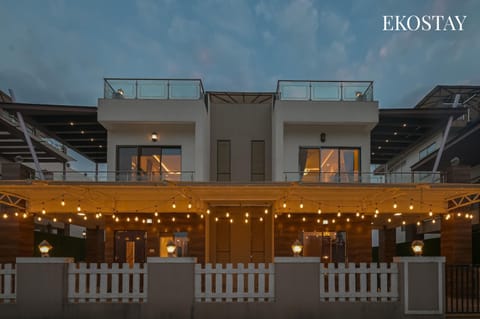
297,248
171,247
417,247
154,137
45,248
323,137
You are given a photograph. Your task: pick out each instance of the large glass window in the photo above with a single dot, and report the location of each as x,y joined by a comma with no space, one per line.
329,164
149,163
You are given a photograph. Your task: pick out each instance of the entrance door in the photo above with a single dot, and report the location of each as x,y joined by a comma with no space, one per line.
238,235
130,246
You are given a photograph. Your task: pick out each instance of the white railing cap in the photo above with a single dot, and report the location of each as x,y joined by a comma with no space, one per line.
46,260
171,260
419,259
296,260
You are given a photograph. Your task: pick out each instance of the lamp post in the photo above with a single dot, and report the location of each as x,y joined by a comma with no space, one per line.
171,247
45,248
417,247
297,248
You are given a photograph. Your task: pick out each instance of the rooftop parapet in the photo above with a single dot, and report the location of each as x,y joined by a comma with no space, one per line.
325,90
160,89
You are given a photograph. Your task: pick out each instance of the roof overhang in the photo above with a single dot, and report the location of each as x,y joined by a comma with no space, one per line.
399,129
74,126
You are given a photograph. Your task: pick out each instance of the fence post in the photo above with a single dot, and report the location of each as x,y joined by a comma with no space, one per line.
422,285
171,287
297,285
42,286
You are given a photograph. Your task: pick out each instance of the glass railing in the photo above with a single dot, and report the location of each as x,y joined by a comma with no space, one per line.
325,90
160,89
373,178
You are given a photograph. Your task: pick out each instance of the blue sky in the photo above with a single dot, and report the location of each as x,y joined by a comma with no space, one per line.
59,51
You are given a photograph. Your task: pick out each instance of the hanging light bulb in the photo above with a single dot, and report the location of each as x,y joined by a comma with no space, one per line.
173,219
447,217
85,217
208,211
5,215
69,220
216,219
376,209
117,219
418,223
231,220
158,221
24,215
266,211
201,216
403,222
44,211
136,218
246,221
188,216
318,220
62,202
304,219
156,211
227,214
261,219
333,221
79,209
284,204
395,204
54,219
363,216
276,216
433,221
289,215
301,204
389,220
430,213
411,204
247,214
319,211
174,205
16,214
348,220
128,219
189,205
339,214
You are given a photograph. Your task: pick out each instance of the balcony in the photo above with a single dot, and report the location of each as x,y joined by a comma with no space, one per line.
360,91
153,89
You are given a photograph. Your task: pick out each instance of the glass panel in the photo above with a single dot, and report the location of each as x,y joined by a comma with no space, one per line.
349,165
189,90
325,91
127,163
294,91
123,89
152,89
171,163
329,165
150,159
309,164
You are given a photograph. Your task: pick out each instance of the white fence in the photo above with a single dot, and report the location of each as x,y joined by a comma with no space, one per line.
347,282
7,283
90,283
240,284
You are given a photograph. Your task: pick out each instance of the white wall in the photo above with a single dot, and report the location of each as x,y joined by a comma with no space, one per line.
168,135
177,122
299,123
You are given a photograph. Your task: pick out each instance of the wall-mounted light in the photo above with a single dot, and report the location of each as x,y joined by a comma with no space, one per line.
323,137
154,137
45,248
297,248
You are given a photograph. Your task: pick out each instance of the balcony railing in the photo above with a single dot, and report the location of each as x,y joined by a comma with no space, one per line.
374,178
160,89
325,91
117,176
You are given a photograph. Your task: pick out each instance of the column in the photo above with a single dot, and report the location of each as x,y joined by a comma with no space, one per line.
421,285
16,238
456,240
387,245
359,242
42,286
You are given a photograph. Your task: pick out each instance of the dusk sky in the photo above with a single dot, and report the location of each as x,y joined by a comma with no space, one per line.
59,51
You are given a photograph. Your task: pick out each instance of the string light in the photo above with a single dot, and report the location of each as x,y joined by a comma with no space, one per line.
188,216
459,214
319,211
85,217
136,218
333,221
174,205
301,204
289,215
430,213
348,220
363,216
304,219
128,219
403,222
395,204
389,220
284,204
54,220
5,216
158,221
201,216
69,220
117,219
173,219
216,219
376,209
25,215
208,211
231,220
189,205
39,218
227,214
418,223
261,219
79,209
246,215
16,214
276,216
339,213
246,221
357,214
433,221
411,204
156,211
266,211
318,220
62,202
447,217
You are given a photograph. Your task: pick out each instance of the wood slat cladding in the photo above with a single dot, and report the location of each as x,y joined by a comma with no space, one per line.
359,235
241,238
95,247
194,226
16,238
387,245
456,240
